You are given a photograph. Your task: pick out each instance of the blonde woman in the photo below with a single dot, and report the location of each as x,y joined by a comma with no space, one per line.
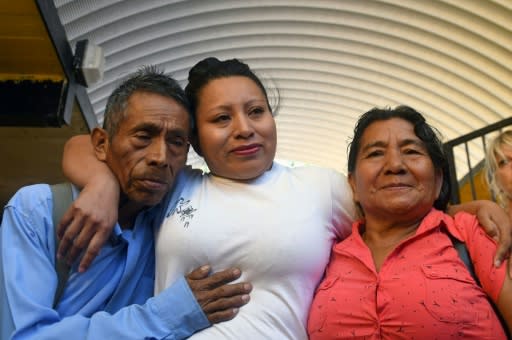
499,169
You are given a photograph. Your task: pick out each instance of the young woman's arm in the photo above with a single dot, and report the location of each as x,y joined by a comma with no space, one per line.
495,222
87,224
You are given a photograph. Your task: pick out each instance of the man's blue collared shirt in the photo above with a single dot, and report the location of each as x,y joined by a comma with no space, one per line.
111,300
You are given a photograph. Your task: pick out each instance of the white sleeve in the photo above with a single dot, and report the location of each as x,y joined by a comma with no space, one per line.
343,207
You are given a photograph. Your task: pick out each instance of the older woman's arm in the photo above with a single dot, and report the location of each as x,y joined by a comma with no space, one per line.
496,223
88,222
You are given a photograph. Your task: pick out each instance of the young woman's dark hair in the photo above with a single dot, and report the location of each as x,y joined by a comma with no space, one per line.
212,68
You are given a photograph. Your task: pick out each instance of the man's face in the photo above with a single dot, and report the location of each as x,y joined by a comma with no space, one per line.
149,148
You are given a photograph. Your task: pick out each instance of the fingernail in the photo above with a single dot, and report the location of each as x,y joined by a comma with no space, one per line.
497,263
236,271
59,257
247,286
205,268
245,298
235,310
81,269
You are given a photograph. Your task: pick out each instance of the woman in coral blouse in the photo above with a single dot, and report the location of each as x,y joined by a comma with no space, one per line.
398,275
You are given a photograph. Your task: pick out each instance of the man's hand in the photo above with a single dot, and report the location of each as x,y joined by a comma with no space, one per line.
218,299
88,222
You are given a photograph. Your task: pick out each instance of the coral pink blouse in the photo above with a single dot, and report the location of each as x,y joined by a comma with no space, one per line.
423,290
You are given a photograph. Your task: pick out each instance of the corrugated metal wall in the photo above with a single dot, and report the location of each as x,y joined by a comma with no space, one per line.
331,60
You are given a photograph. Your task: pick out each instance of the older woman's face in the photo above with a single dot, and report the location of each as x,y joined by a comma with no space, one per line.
394,175
504,170
236,129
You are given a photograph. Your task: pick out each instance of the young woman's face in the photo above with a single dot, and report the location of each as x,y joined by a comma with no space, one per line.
236,129
504,171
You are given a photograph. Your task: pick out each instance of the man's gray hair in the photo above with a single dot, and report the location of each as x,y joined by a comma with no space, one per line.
149,79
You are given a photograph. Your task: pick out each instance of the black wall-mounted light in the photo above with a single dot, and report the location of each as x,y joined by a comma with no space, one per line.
88,63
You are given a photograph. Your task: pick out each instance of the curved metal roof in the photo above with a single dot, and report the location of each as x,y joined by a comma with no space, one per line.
330,60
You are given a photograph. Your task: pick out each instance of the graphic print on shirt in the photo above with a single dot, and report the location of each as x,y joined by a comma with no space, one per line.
185,211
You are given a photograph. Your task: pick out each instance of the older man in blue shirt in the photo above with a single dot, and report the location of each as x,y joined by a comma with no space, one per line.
145,144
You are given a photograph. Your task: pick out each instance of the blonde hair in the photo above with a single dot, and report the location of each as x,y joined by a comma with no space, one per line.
494,151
